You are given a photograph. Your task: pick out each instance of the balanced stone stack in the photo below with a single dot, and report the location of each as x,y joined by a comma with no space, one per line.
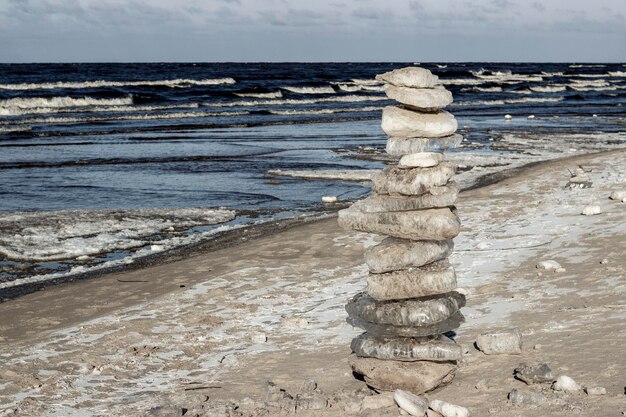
410,301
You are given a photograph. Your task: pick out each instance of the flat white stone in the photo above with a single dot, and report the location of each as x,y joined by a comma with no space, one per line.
500,342
591,210
403,146
618,195
414,181
566,384
449,410
421,160
396,254
406,349
440,196
423,99
411,403
400,122
415,77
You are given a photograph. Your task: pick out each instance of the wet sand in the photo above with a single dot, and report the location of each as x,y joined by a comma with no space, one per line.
271,308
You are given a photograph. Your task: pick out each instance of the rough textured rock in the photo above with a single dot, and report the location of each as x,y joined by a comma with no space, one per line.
591,210
595,391
399,146
415,181
449,410
375,402
421,160
534,374
500,342
386,330
416,377
435,278
414,77
394,254
618,195
566,384
411,403
417,312
434,197
429,224
526,398
406,349
400,122
424,99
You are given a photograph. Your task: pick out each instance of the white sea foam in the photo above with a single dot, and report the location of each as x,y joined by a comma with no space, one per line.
590,83
351,88
276,94
511,101
310,90
366,82
339,99
551,74
58,102
103,83
122,117
474,81
326,111
587,66
505,76
16,111
484,89
620,74
9,129
548,89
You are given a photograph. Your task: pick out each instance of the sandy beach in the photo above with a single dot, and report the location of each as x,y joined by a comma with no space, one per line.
207,332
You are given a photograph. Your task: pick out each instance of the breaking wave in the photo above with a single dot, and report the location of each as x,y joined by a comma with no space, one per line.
340,99
104,83
548,89
16,111
276,94
34,102
511,101
326,111
484,89
310,90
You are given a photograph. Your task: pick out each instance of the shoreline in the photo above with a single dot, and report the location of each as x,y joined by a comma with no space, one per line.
233,237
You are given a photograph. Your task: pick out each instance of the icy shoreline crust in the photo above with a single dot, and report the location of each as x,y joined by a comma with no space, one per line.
50,236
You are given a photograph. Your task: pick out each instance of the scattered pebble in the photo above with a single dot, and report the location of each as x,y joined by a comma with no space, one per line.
534,374
411,403
500,342
550,265
449,410
258,338
595,391
329,199
591,210
566,384
604,261
508,117
525,397
375,402
618,195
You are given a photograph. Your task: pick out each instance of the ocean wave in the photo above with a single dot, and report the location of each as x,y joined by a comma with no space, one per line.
353,88
123,117
310,90
483,89
617,74
548,89
587,66
551,74
102,83
14,129
474,81
504,76
276,94
589,83
325,111
511,101
578,87
56,102
358,81
339,99
15,111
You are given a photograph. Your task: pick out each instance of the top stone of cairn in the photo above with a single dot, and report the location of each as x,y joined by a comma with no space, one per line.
413,77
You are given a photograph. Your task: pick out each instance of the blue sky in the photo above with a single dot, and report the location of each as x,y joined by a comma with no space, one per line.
312,30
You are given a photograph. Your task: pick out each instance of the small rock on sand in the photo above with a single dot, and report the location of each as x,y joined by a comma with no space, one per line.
329,199
550,265
591,210
500,342
526,398
508,117
449,410
411,403
595,391
375,402
566,384
618,195
534,374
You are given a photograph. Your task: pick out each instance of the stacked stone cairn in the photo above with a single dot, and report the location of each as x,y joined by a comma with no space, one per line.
410,300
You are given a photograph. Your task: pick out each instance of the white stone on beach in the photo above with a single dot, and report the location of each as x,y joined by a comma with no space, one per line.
550,265
566,384
401,146
329,199
378,401
400,122
500,342
414,77
595,391
618,195
422,99
411,403
414,181
395,254
508,117
428,224
449,410
421,160
442,196
436,278
591,210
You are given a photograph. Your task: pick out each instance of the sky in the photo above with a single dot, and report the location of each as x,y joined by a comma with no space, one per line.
312,30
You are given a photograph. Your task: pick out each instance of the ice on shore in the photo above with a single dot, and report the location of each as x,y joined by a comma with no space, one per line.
48,236
327,174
